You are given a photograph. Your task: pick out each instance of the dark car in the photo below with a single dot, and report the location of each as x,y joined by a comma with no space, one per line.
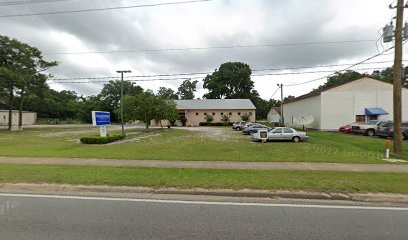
253,129
386,129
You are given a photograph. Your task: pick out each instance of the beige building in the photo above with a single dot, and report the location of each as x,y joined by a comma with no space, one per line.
196,110
29,118
274,115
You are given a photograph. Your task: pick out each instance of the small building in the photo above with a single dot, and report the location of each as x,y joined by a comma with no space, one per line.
195,111
29,118
360,100
274,115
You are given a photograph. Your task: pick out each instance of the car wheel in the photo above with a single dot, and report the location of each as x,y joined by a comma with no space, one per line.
296,139
370,132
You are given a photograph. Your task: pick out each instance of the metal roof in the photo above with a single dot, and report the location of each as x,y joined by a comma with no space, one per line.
215,104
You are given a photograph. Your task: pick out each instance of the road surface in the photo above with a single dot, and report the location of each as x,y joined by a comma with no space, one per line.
59,217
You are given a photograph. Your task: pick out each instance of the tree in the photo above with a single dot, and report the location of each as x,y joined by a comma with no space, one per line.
339,79
232,80
209,119
147,107
110,95
167,93
225,119
246,117
21,67
187,89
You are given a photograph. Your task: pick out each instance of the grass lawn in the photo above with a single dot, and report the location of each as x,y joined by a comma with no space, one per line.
189,145
208,178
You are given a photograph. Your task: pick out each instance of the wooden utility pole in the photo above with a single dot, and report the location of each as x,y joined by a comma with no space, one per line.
398,68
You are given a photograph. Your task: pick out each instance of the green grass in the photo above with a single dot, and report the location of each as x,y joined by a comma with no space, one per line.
191,146
208,178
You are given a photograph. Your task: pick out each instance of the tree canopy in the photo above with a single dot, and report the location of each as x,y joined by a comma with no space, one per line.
187,89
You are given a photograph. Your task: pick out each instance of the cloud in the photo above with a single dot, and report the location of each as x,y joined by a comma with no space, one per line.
217,23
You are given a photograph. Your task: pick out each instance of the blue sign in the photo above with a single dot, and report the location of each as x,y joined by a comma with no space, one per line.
100,118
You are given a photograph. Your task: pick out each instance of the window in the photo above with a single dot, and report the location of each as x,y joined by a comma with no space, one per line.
222,114
250,113
287,130
373,117
205,114
230,113
360,118
239,113
196,114
213,113
277,130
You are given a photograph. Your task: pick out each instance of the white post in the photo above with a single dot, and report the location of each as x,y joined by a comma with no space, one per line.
103,131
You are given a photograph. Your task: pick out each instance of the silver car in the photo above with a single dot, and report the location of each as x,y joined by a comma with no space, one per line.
282,134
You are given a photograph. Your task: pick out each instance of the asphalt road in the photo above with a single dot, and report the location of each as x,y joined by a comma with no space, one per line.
28,217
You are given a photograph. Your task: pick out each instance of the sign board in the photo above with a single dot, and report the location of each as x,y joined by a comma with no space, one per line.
263,135
100,118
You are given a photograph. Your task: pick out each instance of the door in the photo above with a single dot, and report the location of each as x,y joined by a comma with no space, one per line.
275,134
287,134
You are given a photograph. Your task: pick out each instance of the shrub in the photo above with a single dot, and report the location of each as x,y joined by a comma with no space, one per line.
245,117
218,124
225,119
209,119
101,140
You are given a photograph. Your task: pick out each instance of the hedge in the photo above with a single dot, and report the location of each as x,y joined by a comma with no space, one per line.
101,140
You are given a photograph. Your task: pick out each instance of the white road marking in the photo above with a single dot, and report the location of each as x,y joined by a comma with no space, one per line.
202,202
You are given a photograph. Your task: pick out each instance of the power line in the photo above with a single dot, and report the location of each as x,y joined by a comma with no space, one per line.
104,9
345,69
13,3
177,79
214,47
205,73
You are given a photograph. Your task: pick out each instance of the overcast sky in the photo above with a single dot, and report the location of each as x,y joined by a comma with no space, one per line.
204,24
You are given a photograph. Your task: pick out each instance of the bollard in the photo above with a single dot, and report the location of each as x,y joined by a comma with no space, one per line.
387,149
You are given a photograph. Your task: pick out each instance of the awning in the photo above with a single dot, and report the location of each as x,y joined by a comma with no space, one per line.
375,111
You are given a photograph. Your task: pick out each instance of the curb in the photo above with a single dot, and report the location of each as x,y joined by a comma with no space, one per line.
65,189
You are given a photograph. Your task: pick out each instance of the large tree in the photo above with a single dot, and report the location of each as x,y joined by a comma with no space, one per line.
231,80
21,67
167,93
187,89
110,95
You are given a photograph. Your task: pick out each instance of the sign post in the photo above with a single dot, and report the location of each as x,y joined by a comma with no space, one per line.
101,119
263,135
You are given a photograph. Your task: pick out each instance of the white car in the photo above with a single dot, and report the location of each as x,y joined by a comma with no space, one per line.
282,134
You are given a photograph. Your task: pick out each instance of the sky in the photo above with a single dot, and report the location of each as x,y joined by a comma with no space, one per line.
153,40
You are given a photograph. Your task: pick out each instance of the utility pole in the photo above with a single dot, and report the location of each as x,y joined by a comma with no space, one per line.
398,68
121,98
282,120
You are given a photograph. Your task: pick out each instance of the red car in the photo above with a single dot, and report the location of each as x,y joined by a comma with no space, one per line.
347,128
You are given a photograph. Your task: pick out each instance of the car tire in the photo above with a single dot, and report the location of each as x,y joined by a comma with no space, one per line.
370,132
296,139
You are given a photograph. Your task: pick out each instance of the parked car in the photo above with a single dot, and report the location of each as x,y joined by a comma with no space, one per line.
369,128
347,128
282,134
253,129
386,129
238,125
248,124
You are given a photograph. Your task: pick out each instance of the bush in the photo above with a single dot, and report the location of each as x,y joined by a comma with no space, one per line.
101,140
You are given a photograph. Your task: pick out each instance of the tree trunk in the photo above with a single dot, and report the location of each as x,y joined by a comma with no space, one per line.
10,105
20,110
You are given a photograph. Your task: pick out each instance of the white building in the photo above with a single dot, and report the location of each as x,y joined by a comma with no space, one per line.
29,118
274,115
360,100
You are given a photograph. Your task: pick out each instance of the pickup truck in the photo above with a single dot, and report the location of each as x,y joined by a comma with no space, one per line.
369,128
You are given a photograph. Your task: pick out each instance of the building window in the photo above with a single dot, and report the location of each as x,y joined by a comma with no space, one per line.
213,113
250,113
222,114
239,113
205,114
230,113
196,114
360,118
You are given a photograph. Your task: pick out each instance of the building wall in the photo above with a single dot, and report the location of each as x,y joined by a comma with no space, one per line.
308,106
273,116
341,105
194,120
29,118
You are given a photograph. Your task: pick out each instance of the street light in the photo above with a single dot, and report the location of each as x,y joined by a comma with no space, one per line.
121,98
